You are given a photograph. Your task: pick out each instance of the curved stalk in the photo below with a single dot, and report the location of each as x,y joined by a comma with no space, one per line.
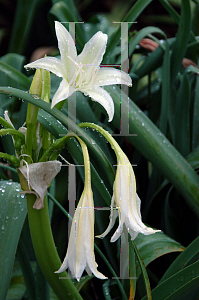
13,132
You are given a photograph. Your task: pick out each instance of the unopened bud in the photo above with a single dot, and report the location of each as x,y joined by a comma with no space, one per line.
148,44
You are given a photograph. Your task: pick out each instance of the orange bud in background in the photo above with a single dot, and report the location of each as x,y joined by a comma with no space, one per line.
151,46
188,62
148,44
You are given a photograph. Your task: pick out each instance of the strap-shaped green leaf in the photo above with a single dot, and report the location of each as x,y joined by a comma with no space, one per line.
132,15
144,272
11,72
178,286
63,13
155,245
13,211
182,38
182,260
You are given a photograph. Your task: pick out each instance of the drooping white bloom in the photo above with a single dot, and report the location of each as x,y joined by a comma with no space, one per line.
125,202
82,72
80,253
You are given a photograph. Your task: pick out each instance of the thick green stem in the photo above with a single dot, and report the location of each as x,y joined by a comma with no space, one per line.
11,158
31,117
14,133
29,142
46,252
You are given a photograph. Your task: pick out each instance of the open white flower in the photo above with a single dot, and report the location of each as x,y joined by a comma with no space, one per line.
80,253
125,202
82,72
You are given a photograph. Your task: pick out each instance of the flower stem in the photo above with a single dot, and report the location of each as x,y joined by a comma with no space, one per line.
46,252
110,139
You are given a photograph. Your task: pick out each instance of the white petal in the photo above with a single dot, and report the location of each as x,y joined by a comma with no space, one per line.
67,49
94,270
101,96
6,117
108,76
117,233
129,206
132,233
94,50
80,253
51,64
147,230
113,216
88,232
70,260
63,92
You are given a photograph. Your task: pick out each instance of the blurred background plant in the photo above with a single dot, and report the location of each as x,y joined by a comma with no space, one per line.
163,112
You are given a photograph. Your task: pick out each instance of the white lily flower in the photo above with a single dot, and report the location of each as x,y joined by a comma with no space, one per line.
82,73
80,253
125,202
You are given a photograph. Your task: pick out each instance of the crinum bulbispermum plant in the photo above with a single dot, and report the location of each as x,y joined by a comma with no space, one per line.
83,73
39,165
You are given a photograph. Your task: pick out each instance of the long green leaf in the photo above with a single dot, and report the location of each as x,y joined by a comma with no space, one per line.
20,78
24,15
155,245
132,269
182,39
175,286
27,272
132,15
173,13
188,291
182,117
182,260
13,211
165,90
144,272
63,13
195,132
8,77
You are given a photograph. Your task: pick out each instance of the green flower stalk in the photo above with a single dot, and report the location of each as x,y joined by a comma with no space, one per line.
31,118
